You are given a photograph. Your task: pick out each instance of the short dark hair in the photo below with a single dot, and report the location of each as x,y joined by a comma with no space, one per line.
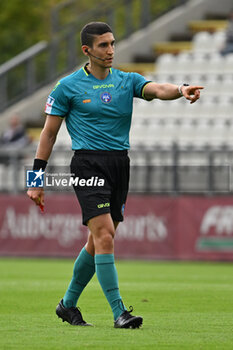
91,29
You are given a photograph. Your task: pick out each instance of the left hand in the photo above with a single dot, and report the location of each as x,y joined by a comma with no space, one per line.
191,93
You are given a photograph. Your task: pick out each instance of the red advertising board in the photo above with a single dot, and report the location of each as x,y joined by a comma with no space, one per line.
205,228
155,227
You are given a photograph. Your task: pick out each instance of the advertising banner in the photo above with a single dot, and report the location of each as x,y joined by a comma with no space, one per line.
205,229
155,227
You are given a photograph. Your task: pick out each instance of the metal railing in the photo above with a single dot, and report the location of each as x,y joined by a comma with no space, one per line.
46,61
14,87
172,171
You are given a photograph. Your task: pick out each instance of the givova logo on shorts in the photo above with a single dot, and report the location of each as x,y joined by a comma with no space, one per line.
103,205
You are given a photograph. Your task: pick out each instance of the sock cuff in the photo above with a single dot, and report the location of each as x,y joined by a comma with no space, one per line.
89,259
104,259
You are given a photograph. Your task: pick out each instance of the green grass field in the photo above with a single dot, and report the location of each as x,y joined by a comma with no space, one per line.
184,306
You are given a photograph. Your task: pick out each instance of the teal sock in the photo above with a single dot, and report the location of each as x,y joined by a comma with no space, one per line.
107,276
84,269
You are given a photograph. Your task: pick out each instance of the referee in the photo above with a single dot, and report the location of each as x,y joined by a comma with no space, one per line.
96,103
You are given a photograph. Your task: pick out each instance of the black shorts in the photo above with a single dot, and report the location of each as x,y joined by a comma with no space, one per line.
101,182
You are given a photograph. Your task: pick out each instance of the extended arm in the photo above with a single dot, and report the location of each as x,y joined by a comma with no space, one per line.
171,92
47,139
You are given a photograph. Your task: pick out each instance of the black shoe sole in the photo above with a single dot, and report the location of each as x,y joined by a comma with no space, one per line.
80,324
134,323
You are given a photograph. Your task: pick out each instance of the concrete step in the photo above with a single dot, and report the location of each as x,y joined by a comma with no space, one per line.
172,47
207,25
141,68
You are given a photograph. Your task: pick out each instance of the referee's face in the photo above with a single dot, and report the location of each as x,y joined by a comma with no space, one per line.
103,49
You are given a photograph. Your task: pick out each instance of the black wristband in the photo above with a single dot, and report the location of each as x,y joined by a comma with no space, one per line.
39,164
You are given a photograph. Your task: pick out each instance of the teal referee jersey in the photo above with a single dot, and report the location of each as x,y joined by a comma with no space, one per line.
97,112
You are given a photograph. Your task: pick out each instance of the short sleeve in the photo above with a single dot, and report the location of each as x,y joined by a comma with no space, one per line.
57,102
139,82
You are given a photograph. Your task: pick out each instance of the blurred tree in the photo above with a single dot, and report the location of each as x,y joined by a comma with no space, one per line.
23,23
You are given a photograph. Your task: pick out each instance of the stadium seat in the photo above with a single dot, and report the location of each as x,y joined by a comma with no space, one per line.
186,132
225,106
226,85
213,85
210,107
166,64
202,42
137,136
218,133
228,134
219,39
162,133
183,63
227,67
214,63
163,78
207,43
198,63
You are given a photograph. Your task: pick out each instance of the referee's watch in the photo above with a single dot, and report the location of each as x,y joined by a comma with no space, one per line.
180,90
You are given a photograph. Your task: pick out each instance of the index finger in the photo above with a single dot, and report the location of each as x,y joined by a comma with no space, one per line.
198,87
42,198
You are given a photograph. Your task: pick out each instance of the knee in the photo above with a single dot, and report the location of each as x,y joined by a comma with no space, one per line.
106,242
104,239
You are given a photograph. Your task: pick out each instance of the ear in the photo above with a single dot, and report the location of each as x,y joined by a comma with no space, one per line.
85,49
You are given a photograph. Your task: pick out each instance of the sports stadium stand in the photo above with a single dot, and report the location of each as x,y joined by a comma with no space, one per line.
207,122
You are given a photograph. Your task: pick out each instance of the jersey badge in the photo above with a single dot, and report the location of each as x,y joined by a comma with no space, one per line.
106,97
49,104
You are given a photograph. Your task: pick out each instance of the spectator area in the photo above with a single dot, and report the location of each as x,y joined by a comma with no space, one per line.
208,122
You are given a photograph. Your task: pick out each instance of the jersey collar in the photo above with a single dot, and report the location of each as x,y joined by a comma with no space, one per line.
87,72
